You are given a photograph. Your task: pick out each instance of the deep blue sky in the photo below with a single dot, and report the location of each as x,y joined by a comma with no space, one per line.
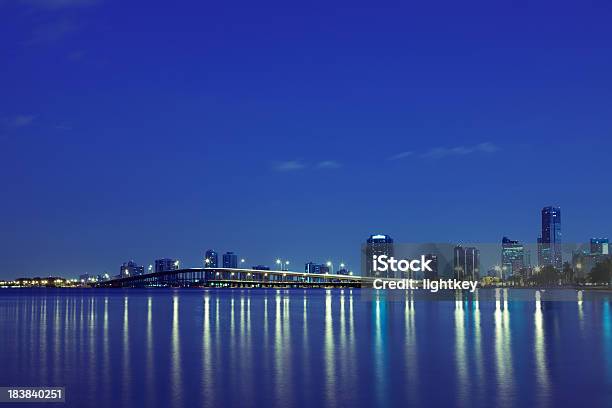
136,130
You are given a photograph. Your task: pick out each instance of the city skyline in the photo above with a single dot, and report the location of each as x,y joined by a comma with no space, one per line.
515,256
142,143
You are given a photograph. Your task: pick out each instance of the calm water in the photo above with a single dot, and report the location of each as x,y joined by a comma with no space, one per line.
292,347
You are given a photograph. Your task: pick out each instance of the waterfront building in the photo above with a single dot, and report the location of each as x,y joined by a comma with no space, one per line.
211,259
130,268
166,264
599,246
311,267
230,260
512,257
377,245
466,263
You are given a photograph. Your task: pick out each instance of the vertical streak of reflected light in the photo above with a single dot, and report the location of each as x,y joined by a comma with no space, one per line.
246,383
460,352
540,355
56,342
217,330
105,354
329,352
580,312
232,341
411,353
208,385
478,347
380,351
281,382
503,352
266,339
353,357
177,393
342,346
150,386
126,385
92,345
305,345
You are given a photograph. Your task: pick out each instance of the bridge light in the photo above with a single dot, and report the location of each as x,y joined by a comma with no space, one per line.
217,273
266,274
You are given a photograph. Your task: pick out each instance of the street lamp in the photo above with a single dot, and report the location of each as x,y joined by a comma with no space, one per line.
150,268
330,265
286,265
242,263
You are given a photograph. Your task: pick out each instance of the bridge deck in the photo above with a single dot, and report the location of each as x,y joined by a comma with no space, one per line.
234,277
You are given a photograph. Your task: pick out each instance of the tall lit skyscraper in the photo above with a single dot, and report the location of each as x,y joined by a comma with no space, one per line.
550,243
230,260
377,245
211,259
466,263
512,257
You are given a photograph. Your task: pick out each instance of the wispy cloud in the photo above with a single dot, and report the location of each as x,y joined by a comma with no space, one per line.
440,152
19,121
290,165
63,126
401,155
295,165
328,164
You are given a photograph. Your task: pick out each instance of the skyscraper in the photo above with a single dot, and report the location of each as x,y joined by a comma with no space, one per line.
378,245
550,244
466,263
166,264
130,268
433,274
512,257
311,267
230,260
599,246
211,259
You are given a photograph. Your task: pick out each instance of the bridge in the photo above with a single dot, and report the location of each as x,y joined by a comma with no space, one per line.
232,277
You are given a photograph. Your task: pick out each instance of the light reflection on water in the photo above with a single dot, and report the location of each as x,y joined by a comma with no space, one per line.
305,347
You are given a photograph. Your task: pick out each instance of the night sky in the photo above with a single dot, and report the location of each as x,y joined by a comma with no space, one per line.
140,130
